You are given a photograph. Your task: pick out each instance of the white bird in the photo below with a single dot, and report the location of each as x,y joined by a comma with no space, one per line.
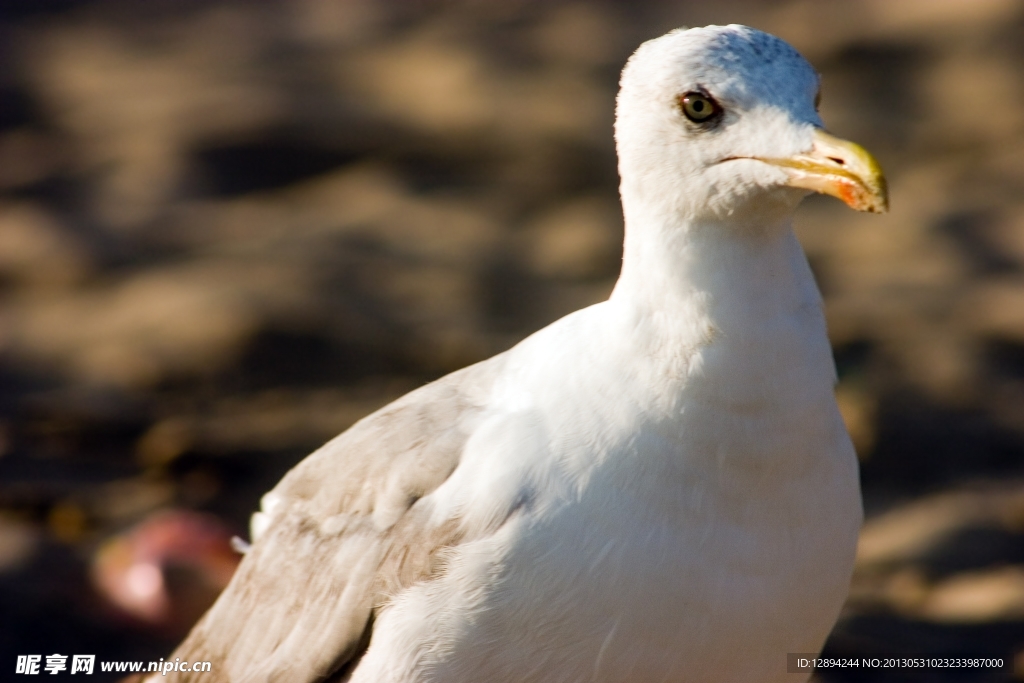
655,488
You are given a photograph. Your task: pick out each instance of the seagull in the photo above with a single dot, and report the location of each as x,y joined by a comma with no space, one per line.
658,487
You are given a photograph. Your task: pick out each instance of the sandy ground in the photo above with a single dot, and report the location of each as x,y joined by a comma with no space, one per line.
230,229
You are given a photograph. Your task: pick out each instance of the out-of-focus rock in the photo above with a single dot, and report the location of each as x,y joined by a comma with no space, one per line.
36,250
18,541
931,559
134,105
912,16
860,413
164,441
428,80
978,596
27,157
332,24
995,308
578,239
161,322
67,521
579,34
908,531
166,570
119,501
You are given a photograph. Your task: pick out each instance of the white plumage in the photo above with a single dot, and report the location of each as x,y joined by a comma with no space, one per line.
655,488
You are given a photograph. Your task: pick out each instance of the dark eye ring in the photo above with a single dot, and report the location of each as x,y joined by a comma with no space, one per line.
698,107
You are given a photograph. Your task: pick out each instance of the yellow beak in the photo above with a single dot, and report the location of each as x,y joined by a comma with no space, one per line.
840,168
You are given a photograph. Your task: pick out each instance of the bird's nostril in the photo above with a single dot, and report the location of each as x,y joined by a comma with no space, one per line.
837,160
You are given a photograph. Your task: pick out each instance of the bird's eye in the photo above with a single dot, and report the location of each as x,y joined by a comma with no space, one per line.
817,101
698,107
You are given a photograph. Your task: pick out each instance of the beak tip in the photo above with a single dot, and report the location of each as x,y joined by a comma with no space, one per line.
869,197
877,200
845,170
875,204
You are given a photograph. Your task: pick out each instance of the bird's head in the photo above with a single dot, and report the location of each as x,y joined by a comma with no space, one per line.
720,123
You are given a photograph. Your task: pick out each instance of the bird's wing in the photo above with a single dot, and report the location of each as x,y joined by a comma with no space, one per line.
342,532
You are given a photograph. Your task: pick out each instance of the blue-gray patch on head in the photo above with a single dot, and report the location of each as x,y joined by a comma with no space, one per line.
739,64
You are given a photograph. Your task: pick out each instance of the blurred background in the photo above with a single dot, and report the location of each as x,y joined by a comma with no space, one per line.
229,229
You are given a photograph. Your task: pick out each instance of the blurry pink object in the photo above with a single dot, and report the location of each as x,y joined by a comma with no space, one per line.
167,569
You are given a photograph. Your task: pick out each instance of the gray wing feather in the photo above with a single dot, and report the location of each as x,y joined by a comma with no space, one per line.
343,534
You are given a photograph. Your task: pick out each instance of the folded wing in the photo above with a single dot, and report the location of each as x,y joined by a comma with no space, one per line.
338,535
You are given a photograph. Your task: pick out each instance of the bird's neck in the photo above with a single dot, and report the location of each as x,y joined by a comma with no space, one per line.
735,303
738,278
668,258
